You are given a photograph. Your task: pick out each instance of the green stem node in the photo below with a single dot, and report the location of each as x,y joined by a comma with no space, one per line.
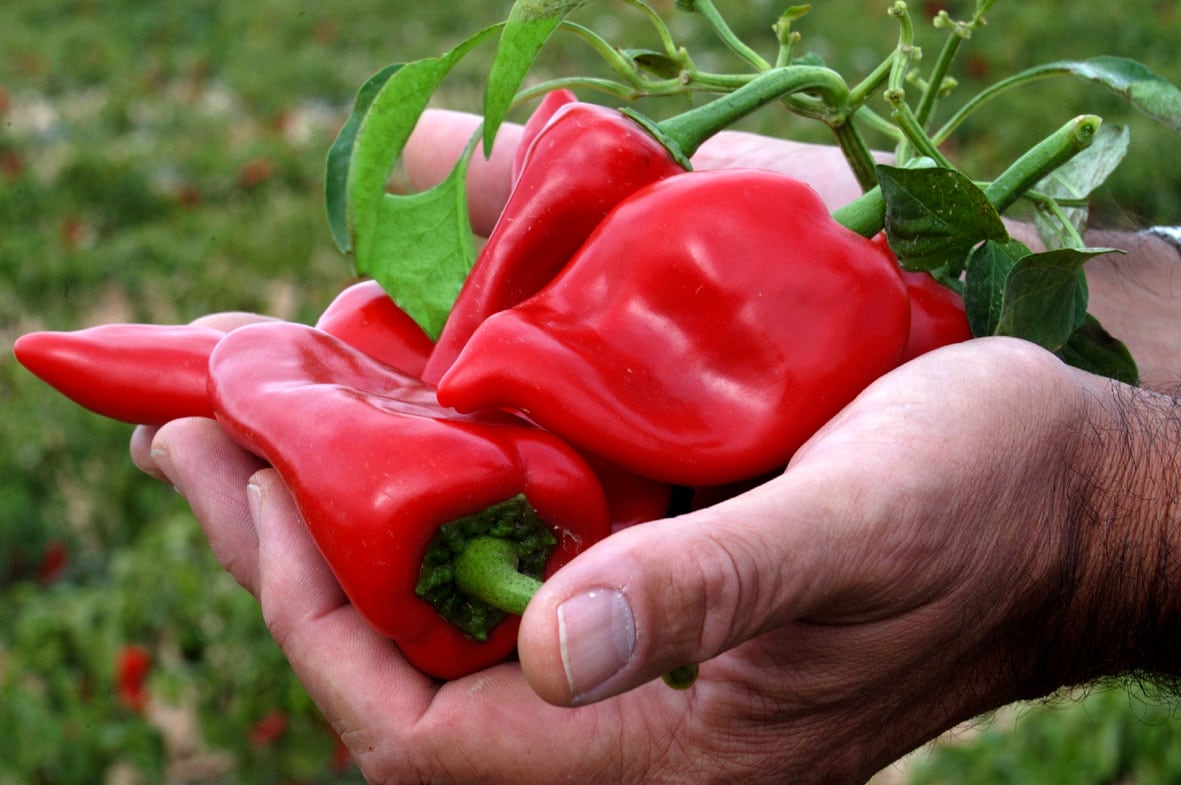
1042,159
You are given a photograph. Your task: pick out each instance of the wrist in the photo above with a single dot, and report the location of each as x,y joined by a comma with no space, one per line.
1124,615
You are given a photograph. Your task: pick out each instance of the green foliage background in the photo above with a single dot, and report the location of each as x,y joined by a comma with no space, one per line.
159,161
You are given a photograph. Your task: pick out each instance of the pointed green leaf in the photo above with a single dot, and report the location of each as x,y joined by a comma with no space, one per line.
382,135
988,272
1094,350
422,247
339,156
1145,90
934,217
530,24
1046,296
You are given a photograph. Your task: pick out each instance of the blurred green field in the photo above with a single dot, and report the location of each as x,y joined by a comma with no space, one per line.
159,161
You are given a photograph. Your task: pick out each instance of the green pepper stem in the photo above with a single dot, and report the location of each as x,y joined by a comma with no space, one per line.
486,570
865,215
685,132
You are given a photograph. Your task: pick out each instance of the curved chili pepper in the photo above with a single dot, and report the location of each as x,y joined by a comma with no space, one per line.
366,318
377,467
145,374
583,162
553,101
710,325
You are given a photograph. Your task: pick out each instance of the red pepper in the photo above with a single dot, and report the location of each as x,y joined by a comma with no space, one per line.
132,666
150,374
366,318
937,316
552,102
709,326
378,469
583,162
138,373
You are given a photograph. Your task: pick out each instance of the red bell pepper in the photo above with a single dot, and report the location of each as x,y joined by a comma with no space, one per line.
582,162
710,325
138,373
366,318
378,469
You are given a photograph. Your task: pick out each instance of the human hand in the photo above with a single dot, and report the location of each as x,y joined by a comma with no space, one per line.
899,577
903,574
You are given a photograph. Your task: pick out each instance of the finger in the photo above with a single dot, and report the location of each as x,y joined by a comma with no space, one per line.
437,143
141,451
211,472
633,606
230,320
347,667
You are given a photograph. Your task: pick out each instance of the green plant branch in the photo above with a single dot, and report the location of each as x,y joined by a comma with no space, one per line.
1043,158
943,63
710,13
619,63
657,21
989,93
857,154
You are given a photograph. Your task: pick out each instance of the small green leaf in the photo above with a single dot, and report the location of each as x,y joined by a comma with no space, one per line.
1145,90
656,63
1078,178
339,155
989,267
1046,296
422,247
530,24
934,217
1093,349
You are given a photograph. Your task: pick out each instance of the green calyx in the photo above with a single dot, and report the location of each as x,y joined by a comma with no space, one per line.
482,567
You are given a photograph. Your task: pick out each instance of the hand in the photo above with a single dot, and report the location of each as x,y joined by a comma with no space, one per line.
896,579
906,572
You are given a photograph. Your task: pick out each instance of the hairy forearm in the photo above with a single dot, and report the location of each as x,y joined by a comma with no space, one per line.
1124,615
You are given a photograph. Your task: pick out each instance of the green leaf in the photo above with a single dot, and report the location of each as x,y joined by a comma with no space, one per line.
1145,90
1081,176
989,267
934,217
1046,296
383,133
1093,349
530,24
340,155
422,247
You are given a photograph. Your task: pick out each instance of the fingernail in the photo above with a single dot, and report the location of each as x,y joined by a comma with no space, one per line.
596,635
163,460
254,499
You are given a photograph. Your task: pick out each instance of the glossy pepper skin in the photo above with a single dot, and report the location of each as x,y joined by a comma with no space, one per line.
366,318
937,316
145,374
710,325
150,374
375,466
551,103
582,163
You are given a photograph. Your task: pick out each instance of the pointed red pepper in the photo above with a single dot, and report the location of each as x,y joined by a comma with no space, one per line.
710,325
583,161
386,479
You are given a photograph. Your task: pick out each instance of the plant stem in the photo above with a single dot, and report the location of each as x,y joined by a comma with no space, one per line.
618,63
1043,158
732,42
666,38
486,570
992,91
685,132
865,215
857,154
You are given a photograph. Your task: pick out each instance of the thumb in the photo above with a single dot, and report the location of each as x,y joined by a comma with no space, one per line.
670,593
